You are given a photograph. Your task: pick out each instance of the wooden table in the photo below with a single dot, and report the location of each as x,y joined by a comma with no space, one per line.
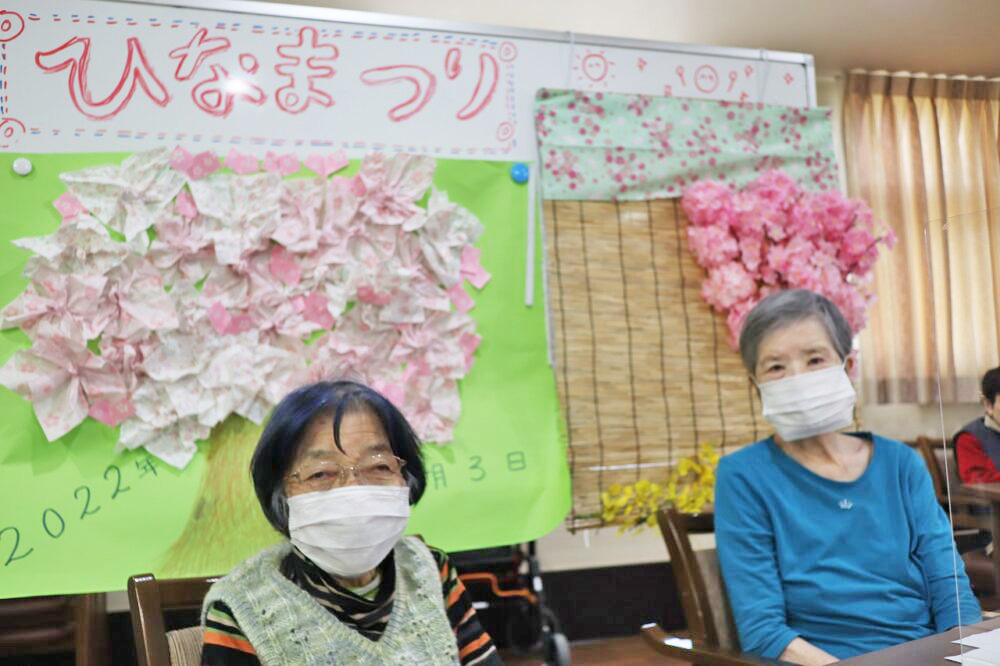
930,651
991,493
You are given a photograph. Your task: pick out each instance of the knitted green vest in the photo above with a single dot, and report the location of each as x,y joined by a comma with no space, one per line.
287,627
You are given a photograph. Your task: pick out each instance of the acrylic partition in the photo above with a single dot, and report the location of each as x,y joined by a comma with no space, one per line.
960,248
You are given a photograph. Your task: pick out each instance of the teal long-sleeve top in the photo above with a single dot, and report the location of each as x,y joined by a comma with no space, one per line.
851,567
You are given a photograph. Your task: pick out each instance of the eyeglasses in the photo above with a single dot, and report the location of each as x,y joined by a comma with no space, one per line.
381,470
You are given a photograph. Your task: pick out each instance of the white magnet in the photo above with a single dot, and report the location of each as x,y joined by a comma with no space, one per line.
22,166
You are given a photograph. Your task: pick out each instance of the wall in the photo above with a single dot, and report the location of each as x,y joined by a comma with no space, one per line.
918,35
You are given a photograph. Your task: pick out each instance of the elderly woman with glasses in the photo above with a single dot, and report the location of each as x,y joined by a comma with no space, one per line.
831,544
336,470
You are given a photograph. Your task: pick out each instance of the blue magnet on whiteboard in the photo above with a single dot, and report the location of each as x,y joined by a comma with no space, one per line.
520,173
22,166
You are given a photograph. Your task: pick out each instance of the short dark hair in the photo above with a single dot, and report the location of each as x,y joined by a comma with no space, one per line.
791,306
991,384
283,435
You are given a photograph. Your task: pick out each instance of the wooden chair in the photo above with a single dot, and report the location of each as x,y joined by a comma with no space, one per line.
968,514
45,625
148,598
655,637
703,597
967,511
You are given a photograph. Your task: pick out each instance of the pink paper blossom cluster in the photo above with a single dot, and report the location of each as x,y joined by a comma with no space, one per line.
173,295
775,235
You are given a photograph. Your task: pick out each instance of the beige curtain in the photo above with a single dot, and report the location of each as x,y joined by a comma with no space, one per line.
924,153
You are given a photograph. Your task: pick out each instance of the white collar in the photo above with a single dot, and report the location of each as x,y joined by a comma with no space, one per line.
990,423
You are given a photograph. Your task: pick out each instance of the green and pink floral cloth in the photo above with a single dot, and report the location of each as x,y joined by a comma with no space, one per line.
602,146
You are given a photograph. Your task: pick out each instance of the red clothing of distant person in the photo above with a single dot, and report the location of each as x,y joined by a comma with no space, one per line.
974,466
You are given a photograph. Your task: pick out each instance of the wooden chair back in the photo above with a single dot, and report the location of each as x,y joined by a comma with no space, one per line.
967,512
43,625
148,598
699,580
935,464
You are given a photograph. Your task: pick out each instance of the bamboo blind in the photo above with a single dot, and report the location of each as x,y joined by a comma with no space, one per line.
643,368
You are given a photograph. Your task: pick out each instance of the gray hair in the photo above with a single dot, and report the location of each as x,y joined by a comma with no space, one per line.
788,307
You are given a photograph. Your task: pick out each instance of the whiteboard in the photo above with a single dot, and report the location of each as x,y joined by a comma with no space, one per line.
96,75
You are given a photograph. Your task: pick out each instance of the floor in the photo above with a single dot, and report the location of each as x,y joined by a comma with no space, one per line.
627,651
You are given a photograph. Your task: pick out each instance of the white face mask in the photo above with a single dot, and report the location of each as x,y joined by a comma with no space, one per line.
348,531
810,403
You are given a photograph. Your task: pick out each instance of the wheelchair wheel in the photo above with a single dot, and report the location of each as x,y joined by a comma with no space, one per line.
558,653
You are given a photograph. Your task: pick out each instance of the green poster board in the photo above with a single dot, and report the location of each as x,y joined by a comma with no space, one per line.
76,517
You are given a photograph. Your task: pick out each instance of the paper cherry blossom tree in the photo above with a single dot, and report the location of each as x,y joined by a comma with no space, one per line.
172,295
774,235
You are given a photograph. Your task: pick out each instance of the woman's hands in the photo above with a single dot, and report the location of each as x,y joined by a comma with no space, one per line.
801,651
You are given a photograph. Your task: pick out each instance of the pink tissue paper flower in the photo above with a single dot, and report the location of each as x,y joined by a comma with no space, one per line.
185,206
241,163
727,285
708,202
194,167
712,245
284,165
68,205
773,235
324,165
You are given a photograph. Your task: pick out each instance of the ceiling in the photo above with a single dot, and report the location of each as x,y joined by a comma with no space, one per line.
933,36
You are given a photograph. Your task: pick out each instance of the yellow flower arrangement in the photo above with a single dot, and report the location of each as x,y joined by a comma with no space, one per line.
689,488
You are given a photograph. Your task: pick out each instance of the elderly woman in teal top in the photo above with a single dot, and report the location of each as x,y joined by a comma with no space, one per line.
831,544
